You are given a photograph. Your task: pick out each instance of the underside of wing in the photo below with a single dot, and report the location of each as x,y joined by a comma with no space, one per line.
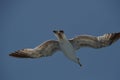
94,42
24,53
43,50
48,48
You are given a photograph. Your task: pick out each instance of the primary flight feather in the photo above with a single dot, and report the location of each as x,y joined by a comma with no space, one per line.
67,46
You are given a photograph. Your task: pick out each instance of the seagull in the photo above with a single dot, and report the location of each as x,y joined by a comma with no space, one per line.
67,46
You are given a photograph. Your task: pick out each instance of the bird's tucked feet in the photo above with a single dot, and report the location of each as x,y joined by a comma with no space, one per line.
79,62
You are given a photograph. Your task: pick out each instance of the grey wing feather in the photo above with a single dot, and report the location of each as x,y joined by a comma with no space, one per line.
48,48
45,49
94,42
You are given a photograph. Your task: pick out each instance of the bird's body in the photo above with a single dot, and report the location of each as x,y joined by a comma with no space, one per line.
68,50
67,46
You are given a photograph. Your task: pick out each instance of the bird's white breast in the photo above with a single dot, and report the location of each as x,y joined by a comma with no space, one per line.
68,50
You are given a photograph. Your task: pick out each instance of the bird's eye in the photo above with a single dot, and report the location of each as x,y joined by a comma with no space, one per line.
61,31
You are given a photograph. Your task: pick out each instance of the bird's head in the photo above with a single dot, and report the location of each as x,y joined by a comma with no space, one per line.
59,34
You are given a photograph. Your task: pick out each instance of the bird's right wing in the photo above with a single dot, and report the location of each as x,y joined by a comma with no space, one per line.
48,48
94,42
43,50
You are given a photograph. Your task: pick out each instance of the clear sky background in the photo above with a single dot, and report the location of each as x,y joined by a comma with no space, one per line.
28,23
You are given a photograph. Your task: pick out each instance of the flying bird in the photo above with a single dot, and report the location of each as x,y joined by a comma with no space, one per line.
67,46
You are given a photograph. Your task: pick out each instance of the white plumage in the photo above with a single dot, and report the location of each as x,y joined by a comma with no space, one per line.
68,47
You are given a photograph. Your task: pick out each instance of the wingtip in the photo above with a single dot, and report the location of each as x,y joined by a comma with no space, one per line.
14,55
11,54
115,37
19,55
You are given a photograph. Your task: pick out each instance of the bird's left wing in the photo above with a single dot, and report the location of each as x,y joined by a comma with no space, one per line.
43,50
94,42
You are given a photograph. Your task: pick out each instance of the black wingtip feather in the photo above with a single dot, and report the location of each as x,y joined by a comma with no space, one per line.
19,55
114,37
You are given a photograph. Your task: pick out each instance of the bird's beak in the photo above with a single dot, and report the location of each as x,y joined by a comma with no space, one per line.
60,31
54,31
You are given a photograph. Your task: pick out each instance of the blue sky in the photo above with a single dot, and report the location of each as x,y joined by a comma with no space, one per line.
28,23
